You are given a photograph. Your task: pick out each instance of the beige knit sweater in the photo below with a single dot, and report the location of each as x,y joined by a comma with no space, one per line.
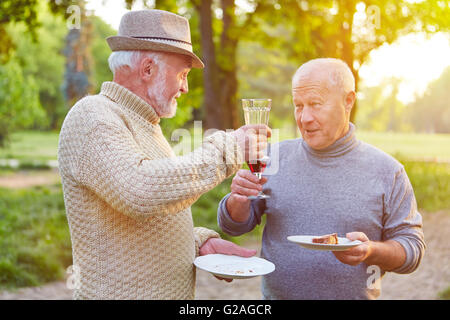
128,198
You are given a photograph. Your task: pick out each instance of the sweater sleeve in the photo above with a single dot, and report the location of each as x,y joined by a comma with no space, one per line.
201,235
114,167
403,222
233,228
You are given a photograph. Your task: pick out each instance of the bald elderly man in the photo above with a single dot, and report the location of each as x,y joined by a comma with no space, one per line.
328,181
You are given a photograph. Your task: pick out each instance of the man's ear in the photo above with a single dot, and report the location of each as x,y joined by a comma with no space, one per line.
349,101
147,69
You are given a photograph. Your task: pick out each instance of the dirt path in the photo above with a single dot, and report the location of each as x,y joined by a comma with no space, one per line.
433,274
27,179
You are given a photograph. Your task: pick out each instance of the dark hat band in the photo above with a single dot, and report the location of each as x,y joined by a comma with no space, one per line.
159,38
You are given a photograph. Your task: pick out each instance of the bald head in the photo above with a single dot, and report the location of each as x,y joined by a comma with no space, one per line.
323,92
335,73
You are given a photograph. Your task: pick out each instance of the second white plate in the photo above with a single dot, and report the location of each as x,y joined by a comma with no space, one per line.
306,242
234,267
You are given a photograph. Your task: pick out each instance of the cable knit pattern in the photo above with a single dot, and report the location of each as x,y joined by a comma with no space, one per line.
128,197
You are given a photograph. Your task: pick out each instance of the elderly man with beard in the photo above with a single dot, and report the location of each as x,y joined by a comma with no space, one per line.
328,182
127,195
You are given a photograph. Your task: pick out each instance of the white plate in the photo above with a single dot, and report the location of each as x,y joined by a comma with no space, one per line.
306,242
234,267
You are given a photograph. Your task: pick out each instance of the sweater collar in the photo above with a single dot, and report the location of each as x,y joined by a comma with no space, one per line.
125,98
340,147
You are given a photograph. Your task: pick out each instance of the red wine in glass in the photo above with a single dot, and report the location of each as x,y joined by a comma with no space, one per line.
257,167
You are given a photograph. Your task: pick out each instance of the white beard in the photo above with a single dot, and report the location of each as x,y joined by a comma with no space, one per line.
164,108
169,109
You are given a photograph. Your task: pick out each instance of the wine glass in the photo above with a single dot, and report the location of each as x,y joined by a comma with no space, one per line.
256,111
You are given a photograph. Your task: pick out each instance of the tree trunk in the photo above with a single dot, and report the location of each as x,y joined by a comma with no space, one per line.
211,101
220,72
355,107
78,60
346,12
228,66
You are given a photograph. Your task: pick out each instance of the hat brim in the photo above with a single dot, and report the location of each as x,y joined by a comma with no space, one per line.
118,43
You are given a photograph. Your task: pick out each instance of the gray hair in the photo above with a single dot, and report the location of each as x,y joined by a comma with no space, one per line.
339,74
119,59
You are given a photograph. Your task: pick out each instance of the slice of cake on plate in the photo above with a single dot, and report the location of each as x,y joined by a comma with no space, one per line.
326,239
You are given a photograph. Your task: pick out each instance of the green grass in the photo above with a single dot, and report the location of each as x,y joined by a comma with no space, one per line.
42,146
445,294
29,146
410,145
35,242
431,184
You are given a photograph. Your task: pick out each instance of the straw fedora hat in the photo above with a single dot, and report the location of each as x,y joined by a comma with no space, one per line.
154,30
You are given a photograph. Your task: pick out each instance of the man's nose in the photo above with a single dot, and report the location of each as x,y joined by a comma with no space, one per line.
307,115
184,86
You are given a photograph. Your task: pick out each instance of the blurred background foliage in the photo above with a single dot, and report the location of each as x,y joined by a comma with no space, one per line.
251,48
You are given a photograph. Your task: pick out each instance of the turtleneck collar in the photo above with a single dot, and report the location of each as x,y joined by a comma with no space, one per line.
340,147
129,100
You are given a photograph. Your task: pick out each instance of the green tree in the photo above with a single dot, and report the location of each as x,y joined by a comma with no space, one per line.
19,95
12,11
42,60
379,108
431,112
101,50
351,29
223,26
24,11
265,72
19,100
220,29
78,53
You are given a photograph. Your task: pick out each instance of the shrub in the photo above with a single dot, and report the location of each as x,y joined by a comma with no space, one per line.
431,183
35,244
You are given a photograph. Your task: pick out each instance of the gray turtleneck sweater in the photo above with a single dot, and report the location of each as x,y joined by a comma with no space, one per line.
349,186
